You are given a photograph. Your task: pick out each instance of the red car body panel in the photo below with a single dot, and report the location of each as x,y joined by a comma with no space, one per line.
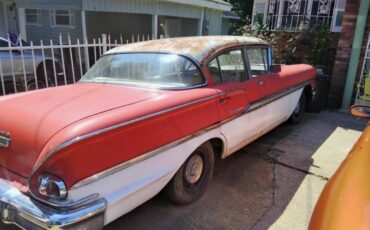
129,141
156,131
44,120
37,116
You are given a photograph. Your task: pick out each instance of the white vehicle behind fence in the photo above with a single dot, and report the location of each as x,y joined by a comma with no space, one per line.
35,67
25,66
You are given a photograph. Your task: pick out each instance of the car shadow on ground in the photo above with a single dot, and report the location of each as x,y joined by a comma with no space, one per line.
251,188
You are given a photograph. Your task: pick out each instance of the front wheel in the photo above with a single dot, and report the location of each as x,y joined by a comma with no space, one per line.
191,180
299,110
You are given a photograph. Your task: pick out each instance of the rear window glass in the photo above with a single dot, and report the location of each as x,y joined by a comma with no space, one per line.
153,70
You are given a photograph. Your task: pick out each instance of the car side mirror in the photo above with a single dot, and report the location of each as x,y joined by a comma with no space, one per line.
362,111
276,68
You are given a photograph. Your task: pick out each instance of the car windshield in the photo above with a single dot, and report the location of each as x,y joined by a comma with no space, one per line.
152,70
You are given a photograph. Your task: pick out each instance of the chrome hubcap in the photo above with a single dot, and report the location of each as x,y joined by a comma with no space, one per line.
194,169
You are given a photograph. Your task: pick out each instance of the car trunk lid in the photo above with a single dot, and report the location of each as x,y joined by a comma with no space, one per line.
31,119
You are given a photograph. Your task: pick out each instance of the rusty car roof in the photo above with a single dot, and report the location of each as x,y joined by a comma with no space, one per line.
199,48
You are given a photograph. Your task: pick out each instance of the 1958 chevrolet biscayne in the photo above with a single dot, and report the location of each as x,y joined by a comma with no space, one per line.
147,116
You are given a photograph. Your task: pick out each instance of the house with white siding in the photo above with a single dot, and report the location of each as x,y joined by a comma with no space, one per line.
293,15
37,20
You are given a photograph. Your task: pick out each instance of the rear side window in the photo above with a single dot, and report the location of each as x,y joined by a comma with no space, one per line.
214,70
257,58
230,65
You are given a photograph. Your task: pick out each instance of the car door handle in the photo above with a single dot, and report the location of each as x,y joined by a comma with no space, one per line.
261,82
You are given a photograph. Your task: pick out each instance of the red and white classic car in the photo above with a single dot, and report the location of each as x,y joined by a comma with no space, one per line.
147,116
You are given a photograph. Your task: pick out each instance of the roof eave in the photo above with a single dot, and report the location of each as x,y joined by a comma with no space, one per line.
231,17
204,3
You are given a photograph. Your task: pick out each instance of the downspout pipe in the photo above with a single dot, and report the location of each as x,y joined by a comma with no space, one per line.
355,54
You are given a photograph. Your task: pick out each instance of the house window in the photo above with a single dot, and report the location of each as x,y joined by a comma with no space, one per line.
258,13
295,15
33,17
338,16
62,18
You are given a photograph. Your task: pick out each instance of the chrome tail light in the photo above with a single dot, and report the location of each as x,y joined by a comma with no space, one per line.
51,186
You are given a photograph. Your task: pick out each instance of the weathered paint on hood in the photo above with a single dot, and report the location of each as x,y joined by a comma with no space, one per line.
35,117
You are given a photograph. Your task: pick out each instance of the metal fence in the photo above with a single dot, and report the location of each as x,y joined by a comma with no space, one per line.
296,22
25,67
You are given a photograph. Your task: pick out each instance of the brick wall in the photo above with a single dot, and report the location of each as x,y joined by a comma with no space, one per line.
342,58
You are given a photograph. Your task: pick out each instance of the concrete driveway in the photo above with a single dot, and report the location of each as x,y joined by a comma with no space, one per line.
272,183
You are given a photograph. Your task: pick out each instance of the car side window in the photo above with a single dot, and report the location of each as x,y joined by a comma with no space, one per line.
230,65
257,58
214,70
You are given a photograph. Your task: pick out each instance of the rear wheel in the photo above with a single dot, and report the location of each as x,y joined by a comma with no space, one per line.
32,84
191,180
48,79
298,112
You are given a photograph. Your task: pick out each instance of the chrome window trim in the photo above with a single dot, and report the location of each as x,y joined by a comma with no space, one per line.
220,51
247,70
191,59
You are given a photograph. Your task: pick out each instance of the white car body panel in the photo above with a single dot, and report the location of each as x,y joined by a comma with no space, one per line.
124,192
16,57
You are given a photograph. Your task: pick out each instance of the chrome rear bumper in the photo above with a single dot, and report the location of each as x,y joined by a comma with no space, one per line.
27,213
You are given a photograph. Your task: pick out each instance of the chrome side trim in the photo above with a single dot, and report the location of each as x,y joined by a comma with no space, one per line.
138,159
266,100
19,209
142,157
147,155
107,129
